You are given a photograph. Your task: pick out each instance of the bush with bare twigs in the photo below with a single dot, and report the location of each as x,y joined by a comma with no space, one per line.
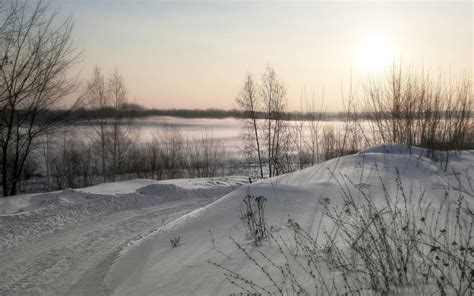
175,241
412,108
252,213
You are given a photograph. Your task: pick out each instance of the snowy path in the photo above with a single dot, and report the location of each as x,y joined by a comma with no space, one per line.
44,267
53,263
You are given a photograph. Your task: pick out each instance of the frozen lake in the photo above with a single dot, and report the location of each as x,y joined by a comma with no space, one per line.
144,129
227,130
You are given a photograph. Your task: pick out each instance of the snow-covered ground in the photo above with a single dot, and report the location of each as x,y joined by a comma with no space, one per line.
47,241
114,239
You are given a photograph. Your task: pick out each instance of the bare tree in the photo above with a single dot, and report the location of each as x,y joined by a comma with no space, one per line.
249,102
314,125
120,125
98,97
152,160
172,151
206,156
34,78
109,96
274,97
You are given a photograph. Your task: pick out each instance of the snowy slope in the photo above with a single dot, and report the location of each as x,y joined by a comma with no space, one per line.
48,240
149,266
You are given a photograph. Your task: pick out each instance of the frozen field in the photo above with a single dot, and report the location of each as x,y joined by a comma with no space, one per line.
113,239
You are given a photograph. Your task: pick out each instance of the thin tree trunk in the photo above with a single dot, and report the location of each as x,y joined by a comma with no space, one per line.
103,152
269,142
258,144
4,173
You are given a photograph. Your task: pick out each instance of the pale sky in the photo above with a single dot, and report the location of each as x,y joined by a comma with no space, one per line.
195,54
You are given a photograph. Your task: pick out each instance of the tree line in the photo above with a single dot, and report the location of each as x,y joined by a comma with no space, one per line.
134,110
71,159
402,106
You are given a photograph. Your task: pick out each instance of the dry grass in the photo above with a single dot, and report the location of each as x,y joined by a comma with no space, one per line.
401,242
252,213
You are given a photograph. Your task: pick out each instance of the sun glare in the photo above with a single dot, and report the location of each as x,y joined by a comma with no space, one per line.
376,53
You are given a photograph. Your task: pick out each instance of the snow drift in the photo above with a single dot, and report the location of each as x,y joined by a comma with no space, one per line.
151,266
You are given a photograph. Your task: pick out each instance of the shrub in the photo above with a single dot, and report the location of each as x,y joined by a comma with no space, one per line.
175,241
252,212
406,107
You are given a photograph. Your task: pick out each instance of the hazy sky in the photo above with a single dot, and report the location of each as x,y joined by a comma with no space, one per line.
195,54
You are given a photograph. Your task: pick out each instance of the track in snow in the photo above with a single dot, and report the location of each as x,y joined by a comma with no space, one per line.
54,263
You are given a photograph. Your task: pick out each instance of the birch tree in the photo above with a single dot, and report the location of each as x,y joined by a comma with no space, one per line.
249,102
273,93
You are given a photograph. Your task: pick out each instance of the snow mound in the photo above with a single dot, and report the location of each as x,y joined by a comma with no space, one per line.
132,186
118,187
203,183
172,190
397,149
149,264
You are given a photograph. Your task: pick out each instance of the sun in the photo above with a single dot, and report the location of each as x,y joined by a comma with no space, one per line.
376,53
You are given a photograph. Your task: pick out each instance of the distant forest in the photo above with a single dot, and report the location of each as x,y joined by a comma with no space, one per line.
137,111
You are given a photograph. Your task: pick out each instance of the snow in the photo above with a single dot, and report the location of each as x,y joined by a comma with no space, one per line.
134,185
392,149
119,243
151,265
18,204
118,187
49,240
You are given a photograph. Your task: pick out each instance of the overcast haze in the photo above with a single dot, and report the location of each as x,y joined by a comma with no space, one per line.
196,54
